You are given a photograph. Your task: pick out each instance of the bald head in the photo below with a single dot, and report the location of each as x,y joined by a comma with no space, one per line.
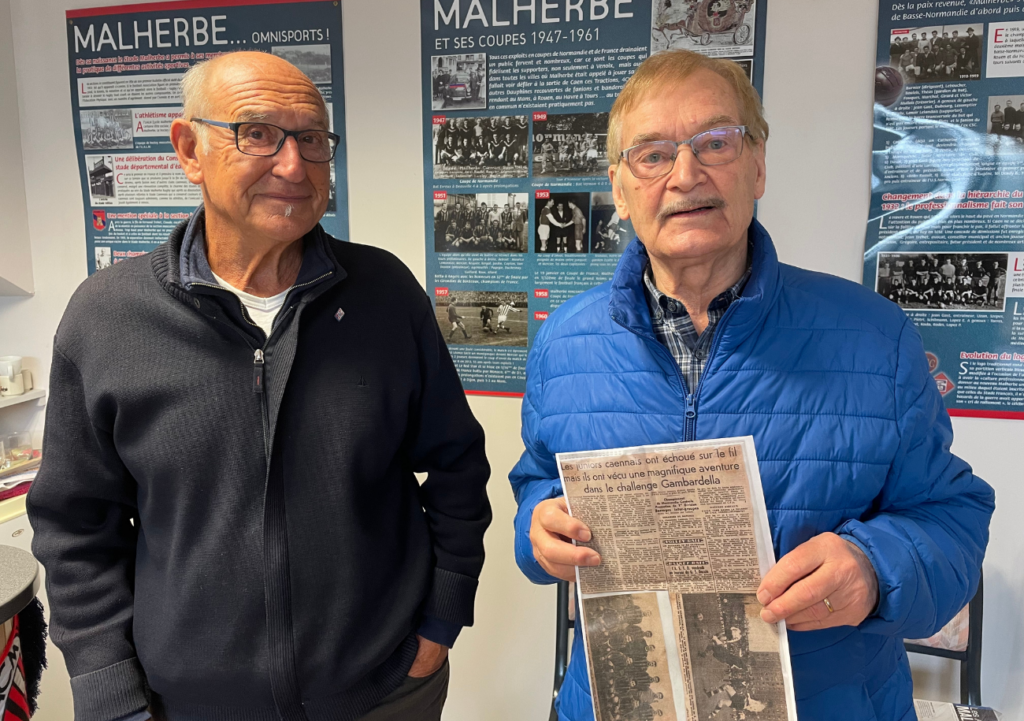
269,198
236,76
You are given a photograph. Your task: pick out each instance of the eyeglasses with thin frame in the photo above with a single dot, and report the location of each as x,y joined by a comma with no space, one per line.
656,158
264,140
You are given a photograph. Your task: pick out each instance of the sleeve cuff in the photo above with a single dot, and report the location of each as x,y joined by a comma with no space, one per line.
110,693
438,631
452,597
890,615
524,517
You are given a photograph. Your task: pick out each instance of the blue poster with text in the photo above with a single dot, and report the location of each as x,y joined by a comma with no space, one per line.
945,236
518,208
126,64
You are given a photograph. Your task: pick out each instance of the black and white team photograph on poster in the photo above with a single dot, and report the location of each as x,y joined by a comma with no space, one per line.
939,53
608,232
560,222
459,82
494,147
944,281
313,60
107,129
483,317
481,222
1006,120
716,28
570,145
737,671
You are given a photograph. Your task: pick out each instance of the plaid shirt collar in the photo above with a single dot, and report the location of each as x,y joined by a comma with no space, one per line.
673,326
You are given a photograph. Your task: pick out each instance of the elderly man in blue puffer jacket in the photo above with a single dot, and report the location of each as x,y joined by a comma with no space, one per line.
703,333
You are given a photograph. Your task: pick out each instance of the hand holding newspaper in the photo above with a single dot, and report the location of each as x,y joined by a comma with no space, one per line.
671,625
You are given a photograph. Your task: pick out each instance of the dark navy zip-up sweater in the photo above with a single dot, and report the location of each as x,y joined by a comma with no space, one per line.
231,524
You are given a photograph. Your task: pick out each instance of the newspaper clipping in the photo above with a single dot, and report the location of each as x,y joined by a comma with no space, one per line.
672,626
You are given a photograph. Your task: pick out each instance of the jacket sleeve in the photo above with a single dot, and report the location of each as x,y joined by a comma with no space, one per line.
927,537
448,445
80,507
535,477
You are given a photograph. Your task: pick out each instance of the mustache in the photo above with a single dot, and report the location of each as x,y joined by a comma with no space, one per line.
685,206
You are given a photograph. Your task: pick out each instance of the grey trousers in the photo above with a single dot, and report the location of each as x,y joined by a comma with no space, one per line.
417,699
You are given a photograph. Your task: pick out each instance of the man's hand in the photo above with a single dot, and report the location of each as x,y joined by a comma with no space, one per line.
551,533
429,658
826,566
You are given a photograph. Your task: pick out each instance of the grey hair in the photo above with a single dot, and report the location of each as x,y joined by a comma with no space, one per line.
194,102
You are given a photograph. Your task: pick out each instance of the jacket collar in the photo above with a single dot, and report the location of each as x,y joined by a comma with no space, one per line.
318,263
180,266
628,304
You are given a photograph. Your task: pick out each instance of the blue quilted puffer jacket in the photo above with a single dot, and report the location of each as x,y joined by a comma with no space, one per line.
852,437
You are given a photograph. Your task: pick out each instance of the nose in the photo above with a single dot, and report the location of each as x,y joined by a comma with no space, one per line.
289,164
687,172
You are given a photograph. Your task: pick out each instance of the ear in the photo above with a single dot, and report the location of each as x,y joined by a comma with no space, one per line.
759,162
614,173
186,145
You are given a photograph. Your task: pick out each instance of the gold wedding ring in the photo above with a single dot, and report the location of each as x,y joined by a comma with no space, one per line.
828,605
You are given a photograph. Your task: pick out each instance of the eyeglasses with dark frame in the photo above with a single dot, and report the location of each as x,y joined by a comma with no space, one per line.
265,140
656,158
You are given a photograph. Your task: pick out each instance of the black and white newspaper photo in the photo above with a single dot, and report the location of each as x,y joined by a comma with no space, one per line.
716,28
494,147
481,222
107,129
685,524
483,317
609,233
561,220
570,145
459,82
944,281
636,664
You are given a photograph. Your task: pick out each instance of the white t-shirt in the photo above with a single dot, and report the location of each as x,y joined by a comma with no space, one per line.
261,310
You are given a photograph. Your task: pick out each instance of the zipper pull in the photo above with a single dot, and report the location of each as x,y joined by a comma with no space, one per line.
257,372
691,409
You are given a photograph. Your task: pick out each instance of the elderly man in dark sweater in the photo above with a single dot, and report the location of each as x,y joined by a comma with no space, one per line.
228,510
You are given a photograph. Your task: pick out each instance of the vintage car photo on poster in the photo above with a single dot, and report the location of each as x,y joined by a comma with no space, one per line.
458,82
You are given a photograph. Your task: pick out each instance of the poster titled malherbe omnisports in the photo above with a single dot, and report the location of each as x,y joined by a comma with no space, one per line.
945,236
518,209
125,66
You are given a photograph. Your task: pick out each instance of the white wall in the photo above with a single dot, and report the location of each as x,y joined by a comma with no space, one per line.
15,249
818,92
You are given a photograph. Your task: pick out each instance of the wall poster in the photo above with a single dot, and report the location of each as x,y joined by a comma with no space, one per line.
125,64
518,208
945,235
